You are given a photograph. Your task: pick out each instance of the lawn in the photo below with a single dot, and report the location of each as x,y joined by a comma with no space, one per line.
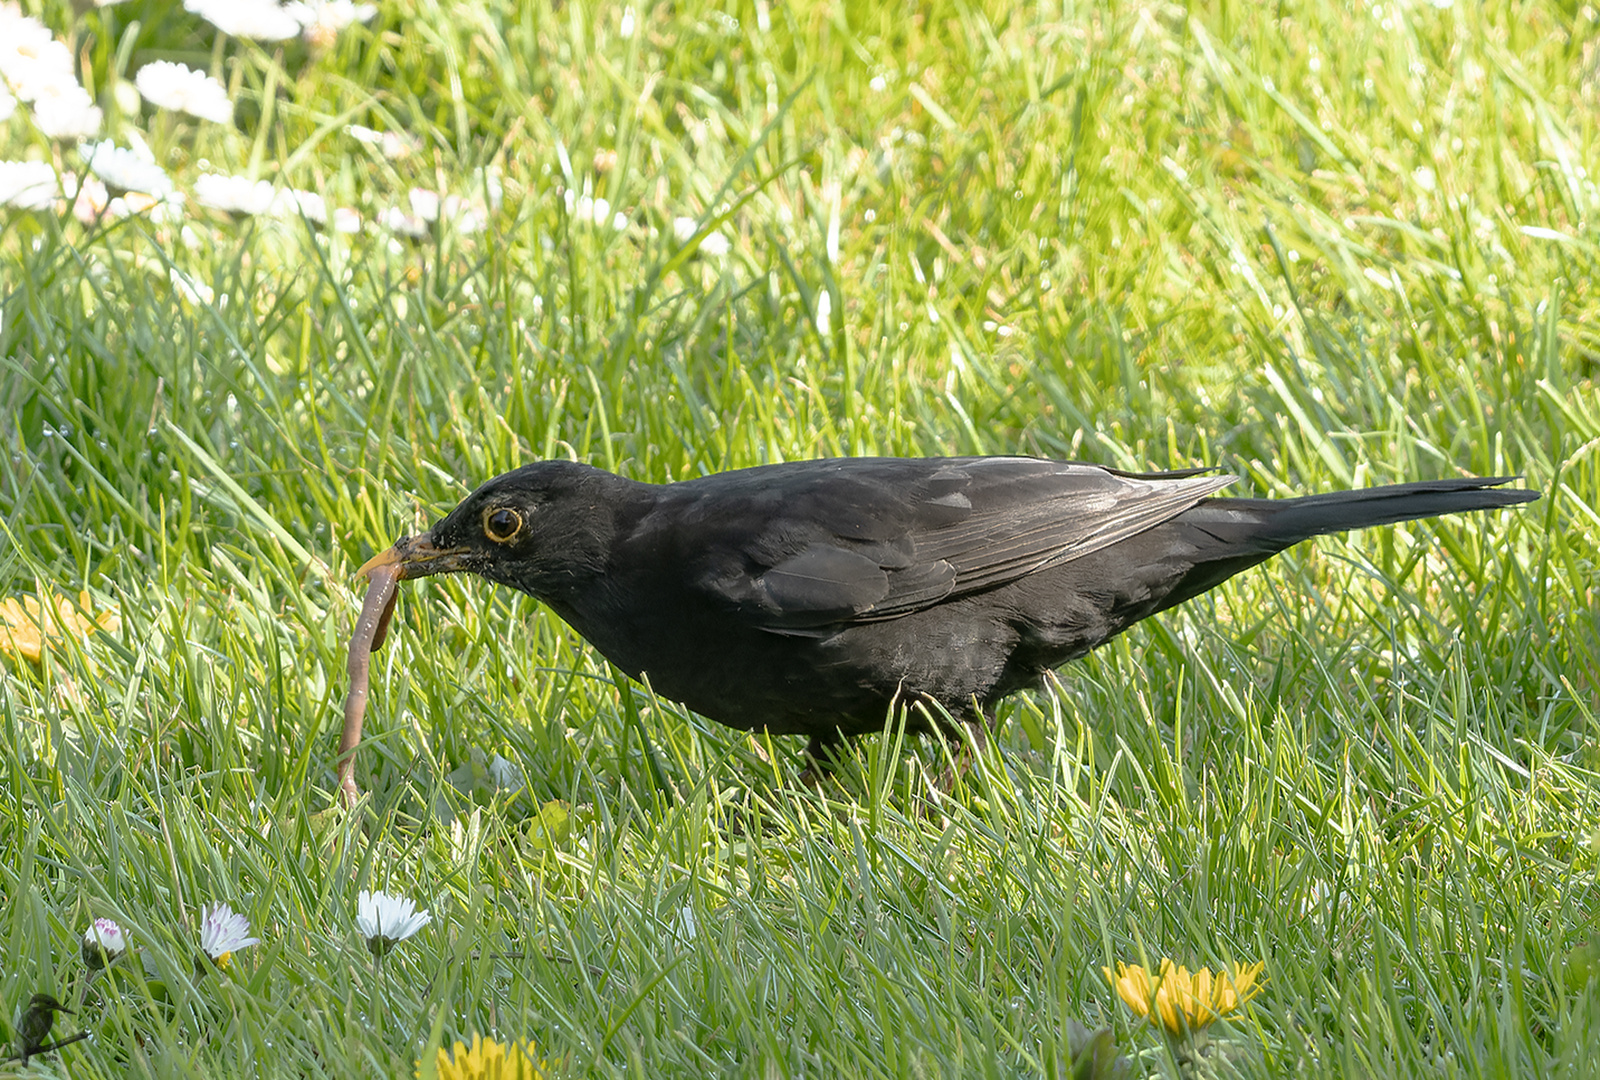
1318,245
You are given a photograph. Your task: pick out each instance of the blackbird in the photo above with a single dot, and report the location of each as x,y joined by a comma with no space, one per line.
811,598
34,1026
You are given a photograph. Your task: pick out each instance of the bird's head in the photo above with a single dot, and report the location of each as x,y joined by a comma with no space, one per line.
45,1003
540,528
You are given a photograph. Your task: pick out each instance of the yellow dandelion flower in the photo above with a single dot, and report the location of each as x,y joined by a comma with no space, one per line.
487,1059
26,624
1182,1002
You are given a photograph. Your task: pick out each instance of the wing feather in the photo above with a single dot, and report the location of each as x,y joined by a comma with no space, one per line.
862,540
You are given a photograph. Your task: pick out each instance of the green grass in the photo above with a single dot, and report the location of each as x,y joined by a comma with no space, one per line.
1318,245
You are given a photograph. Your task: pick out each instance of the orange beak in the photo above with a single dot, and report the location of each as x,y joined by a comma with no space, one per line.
416,556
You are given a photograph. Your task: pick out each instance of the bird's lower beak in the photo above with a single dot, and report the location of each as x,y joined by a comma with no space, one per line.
416,556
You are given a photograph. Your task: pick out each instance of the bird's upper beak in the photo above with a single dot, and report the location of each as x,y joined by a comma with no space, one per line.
416,556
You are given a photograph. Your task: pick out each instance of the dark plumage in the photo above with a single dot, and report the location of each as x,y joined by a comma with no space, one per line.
808,598
33,1028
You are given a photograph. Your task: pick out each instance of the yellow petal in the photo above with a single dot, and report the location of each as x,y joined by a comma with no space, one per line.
1181,1001
487,1059
1244,980
1225,998
1199,1005
22,641
1167,1009
1132,985
26,624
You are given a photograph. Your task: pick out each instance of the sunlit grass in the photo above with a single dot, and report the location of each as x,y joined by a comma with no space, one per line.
1320,247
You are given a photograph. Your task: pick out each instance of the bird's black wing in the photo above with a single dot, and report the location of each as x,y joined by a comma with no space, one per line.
860,540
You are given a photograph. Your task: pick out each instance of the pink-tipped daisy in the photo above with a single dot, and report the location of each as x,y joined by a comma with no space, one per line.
103,943
224,932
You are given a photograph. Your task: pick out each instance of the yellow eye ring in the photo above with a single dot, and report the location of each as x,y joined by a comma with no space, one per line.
501,524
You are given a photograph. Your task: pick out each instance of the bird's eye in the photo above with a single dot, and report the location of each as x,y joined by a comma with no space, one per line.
502,525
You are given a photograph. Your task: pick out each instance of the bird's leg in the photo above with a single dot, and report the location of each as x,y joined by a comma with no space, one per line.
973,732
821,756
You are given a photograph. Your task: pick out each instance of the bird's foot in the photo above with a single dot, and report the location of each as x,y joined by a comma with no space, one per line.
822,755
971,739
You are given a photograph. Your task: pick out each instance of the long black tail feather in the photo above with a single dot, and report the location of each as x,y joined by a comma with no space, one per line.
1288,521
1230,535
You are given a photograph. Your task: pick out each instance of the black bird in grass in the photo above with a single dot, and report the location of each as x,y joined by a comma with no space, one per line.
34,1026
812,597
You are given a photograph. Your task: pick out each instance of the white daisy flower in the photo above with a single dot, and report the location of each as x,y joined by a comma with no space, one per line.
224,932
713,243
430,206
28,185
130,169
259,20
391,144
166,210
174,86
197,293
37,69
587,208
103,943
294,203
234,194
92,201
89,196
386,920
20,33
346,220
321,20
401,223
31,77
32,61
424,203
67,111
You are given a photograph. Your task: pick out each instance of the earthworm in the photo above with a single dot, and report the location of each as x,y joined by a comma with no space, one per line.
371,628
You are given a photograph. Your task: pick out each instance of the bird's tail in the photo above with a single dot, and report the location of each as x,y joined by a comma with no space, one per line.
1230,535
1282,522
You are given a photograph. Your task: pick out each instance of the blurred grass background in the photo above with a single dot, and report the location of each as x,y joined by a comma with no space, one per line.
1317,244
